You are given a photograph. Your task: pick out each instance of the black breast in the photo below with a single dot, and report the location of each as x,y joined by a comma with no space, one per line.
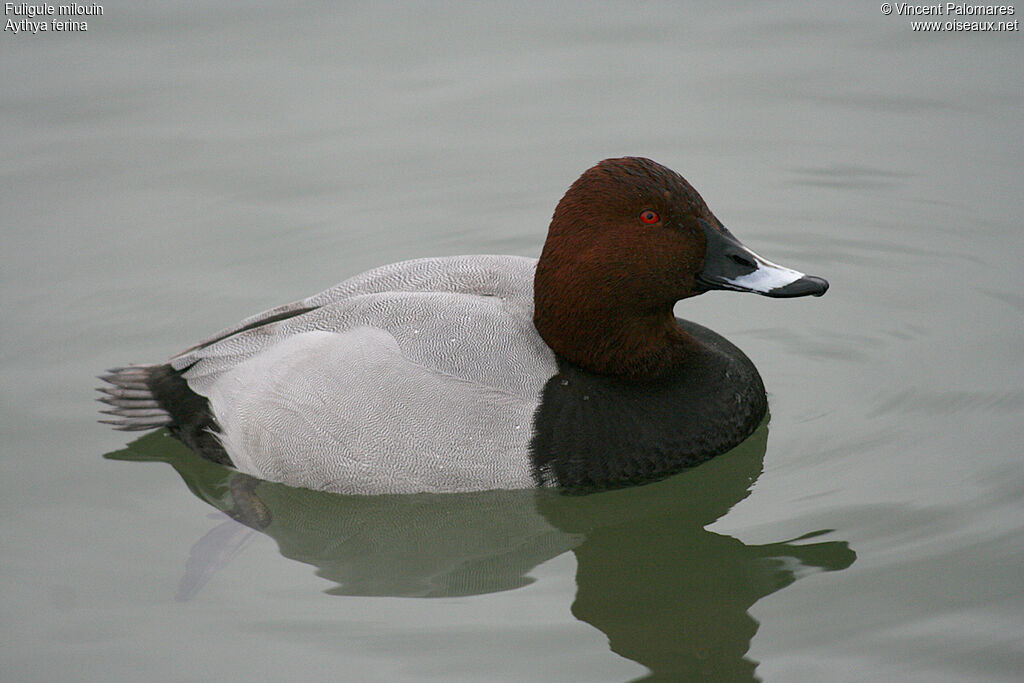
594,431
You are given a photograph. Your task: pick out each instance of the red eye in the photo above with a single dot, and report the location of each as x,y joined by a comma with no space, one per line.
648,216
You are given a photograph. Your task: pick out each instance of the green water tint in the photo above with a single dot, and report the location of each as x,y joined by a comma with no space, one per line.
668,593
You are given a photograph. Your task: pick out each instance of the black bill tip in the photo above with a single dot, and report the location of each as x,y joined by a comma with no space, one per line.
808,285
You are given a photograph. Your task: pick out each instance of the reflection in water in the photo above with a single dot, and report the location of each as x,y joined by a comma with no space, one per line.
667,593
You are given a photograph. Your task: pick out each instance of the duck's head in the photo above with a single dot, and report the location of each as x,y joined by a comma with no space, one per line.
628,240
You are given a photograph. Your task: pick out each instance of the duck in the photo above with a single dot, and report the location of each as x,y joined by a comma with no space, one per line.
469,373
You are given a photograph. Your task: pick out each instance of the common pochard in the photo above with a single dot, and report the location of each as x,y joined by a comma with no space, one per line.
483,372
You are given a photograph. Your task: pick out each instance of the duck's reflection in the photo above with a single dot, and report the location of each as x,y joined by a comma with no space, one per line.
668,593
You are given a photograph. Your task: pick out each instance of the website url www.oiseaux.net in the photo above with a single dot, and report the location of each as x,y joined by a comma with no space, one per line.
965,25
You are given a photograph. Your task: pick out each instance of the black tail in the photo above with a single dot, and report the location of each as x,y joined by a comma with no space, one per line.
144,397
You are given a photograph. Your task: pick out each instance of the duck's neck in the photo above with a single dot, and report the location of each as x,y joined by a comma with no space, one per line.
611,334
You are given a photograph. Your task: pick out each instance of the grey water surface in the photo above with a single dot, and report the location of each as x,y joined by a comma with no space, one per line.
179,166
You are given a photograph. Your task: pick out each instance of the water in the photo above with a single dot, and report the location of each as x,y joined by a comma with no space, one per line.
176,168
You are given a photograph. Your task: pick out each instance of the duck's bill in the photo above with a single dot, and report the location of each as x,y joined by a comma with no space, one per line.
728,264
